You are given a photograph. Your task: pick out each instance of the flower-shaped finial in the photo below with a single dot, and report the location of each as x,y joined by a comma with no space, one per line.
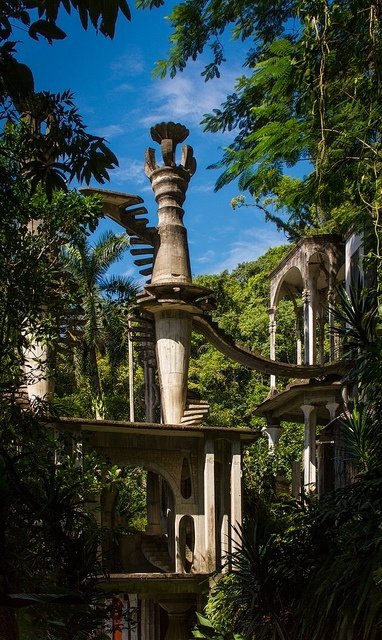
169,135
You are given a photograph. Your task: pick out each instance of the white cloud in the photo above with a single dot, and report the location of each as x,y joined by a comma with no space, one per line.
202,188
129,170
110,131
250,249
186,97
125,87
127,65
207,257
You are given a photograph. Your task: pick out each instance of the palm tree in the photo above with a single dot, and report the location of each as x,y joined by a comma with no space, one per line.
102,302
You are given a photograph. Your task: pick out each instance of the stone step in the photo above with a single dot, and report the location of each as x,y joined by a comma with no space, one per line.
141,252
194,412
138,211
137,240
200,405
142,261
146,272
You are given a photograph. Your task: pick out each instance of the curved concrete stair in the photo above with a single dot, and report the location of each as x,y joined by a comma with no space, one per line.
254,360
195,411
155,550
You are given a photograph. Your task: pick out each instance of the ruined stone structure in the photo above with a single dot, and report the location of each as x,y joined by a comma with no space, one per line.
194,471
309,276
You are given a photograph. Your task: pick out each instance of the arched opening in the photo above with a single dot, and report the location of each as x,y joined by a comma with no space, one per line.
187,542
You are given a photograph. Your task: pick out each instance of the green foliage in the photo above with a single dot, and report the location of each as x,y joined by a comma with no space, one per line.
206,630
310,96
267,474
242,299
100,307
49,538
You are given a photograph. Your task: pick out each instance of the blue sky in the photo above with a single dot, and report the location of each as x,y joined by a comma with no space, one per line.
118,98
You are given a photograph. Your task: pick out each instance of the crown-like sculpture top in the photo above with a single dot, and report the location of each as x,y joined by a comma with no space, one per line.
169,135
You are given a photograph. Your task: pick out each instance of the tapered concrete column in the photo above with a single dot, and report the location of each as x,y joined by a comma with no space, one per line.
236,498
272,342
312,318
310,462
298,340
209,506
332,408
306,318
173,340
153,504
177,618
273,432
225,506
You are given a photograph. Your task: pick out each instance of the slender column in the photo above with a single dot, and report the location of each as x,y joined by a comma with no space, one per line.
310,463
272,343
298,337
224,499
296,478
273,432
236,504
306,317
312,318
209,506
179,568
131,373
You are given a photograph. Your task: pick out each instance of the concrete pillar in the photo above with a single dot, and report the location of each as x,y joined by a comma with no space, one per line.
312,316
273,432
177,611
39,381
332,408
199,565
173,340
225,506
209,506
310,463
298,338
153,504
236,498
306,319
296,479
147,619
272,343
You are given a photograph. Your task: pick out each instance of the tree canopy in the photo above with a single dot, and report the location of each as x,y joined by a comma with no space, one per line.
309,96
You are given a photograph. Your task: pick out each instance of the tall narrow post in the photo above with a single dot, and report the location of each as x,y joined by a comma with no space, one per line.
209,506
272,344
310,462
236,506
